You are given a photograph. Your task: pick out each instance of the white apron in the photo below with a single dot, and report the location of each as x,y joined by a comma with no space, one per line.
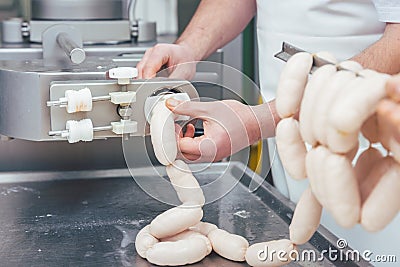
343,27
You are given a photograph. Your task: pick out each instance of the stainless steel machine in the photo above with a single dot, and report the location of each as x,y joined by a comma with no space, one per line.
71,45
68,99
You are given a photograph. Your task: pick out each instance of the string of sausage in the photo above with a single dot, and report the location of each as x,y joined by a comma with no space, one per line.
334,108
330,121
188,240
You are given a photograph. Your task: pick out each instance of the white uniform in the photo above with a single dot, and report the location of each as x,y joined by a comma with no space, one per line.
343,27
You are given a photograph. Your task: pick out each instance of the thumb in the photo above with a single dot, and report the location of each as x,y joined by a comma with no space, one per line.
189,108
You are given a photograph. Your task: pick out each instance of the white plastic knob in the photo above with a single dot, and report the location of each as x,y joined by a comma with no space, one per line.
123,74
78,101
79,131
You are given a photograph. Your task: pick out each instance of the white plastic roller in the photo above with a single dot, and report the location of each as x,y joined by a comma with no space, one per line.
78,101
79,131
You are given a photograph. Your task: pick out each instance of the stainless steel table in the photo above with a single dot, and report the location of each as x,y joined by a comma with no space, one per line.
91,218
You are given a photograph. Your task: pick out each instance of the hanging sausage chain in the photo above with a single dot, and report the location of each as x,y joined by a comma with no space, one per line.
335,106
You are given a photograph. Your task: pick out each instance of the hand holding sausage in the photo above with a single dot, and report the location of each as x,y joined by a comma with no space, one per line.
229,126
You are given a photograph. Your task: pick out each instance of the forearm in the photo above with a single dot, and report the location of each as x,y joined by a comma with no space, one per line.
384,55
266,119
216,23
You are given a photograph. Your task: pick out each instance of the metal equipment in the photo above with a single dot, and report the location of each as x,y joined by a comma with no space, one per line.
116,105
98,21
289,50
62,63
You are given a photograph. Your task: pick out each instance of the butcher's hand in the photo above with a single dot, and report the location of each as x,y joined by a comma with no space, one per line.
389,108
229,126
177,58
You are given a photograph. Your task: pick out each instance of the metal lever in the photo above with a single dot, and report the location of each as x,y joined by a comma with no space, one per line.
71,49
59,103
62,46
122,127
289,50
95,129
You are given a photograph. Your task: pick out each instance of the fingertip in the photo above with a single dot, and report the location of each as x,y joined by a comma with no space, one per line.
172,103
190,130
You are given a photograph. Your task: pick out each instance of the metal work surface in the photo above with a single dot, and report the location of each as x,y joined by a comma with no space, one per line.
92,218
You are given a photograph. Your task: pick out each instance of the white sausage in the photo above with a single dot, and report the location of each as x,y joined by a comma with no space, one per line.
341,190
186,235
291,85
203,228
144,241
185,184
230,246
315,162
162,130
182,235
341,142
181,252
306,218
317,81
259,254
370,73
175,220
350,65
291,148
383,203
323,102
327,56
356,105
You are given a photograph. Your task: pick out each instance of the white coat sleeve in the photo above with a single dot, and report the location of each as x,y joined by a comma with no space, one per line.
388,10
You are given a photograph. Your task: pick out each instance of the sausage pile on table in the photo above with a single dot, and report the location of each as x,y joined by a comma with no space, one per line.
336,105
178,236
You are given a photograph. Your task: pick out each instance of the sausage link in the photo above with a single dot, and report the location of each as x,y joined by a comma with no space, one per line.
175,220
291,85
230,246
306,218
383,204
291,148
268,254
162,130
185,184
